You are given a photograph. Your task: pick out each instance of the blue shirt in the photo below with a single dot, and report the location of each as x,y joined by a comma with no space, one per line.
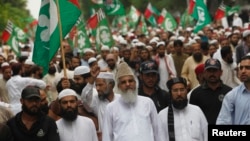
235,107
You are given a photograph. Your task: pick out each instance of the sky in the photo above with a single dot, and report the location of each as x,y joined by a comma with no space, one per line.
34,7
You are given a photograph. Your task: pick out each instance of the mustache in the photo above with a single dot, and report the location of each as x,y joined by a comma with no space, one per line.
34,107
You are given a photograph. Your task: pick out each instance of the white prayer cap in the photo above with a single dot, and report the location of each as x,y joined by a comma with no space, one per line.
200,32
134,41
98,56
189,29
104,47
25,53
236,31
156,38
191,42
172,38
246,33
181,38
213,42
106,75
115,37
91,60
245,25
58,56
228,33
153,40
160,43
29,62
197,37
140,44
123,41
130,34
114,49
88,50
149,47
67,92
5,64
13,61
81,70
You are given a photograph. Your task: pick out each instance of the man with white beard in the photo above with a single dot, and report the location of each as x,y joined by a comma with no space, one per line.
130,117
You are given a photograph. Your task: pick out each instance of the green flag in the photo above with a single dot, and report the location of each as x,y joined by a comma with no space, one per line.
232,10
201,14
103,33
17,36
133,17
48,31
169,23
150,13
186,20
113,7
82,37
120,24
142,26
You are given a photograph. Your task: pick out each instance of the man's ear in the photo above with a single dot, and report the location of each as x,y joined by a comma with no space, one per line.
21,100
140,76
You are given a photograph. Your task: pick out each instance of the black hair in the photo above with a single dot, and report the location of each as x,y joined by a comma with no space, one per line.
178,43
225,51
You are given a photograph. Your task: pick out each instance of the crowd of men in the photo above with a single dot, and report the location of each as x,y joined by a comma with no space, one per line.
156,87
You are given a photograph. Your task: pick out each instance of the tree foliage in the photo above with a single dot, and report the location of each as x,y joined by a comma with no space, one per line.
14,10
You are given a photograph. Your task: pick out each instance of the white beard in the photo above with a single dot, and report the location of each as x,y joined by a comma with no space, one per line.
129,96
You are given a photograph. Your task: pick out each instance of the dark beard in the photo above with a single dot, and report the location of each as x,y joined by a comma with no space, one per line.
230,61
161,55
78,88
52,70
104,95
112,66
126,60
234,44
26,74
44,109
69,115
31,112
197,57
180,104
40,75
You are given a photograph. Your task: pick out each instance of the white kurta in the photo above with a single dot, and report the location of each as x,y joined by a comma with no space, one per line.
190,124
163,72
102,64
15,85
82,129
131,122
229,75
90,98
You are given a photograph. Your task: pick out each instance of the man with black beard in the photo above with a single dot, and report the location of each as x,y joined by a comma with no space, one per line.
44,102
190,64
209,95
182,121
166,67
229,67
112,62
73,127
31,124
81,76
50,79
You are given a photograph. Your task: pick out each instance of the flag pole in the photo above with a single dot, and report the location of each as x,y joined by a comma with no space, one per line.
61,39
